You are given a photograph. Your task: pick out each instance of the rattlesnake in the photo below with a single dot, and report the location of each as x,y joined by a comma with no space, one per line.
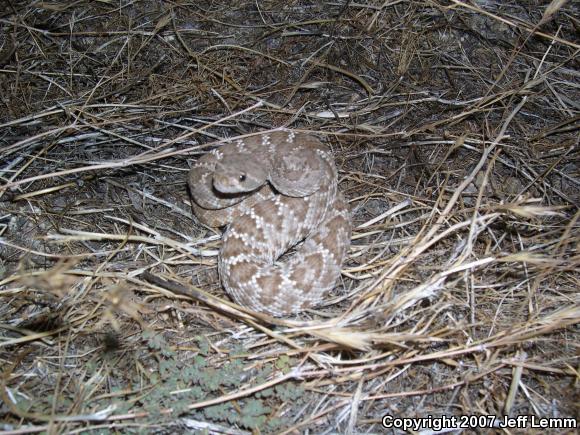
273,191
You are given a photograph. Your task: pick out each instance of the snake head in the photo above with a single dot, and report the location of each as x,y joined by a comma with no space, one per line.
239,173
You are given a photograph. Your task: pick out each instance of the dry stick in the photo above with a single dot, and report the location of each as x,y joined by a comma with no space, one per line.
550,323
28,429
106,133
58,388
171,206
527,28
31,160
476,207
234,309
482,103
548,170
326,48
14,147
432,390
313,418
532,176
206,298
474,172
287,341
124,89
47,112
189,291
347,73
540,177
427,240
515,51
223,77
75,235
559,320
136,160
517,371
47,190
247,315
239,47
10,149
418,249
569,318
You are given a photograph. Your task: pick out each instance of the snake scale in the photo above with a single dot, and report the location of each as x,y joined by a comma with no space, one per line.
274,191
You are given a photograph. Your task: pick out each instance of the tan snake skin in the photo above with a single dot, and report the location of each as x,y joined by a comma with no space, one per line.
274,191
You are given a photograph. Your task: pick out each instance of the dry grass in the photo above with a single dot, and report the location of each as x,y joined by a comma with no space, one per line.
455,128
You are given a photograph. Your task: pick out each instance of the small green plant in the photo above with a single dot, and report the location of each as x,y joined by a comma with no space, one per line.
179,383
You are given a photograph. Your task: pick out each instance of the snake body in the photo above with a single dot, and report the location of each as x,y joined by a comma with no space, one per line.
274,192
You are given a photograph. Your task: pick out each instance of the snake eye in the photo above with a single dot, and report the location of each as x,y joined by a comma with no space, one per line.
243,177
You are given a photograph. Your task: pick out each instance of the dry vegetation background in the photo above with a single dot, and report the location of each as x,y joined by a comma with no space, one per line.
455,128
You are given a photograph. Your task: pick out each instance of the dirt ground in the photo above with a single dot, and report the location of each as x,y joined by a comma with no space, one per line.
455,128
